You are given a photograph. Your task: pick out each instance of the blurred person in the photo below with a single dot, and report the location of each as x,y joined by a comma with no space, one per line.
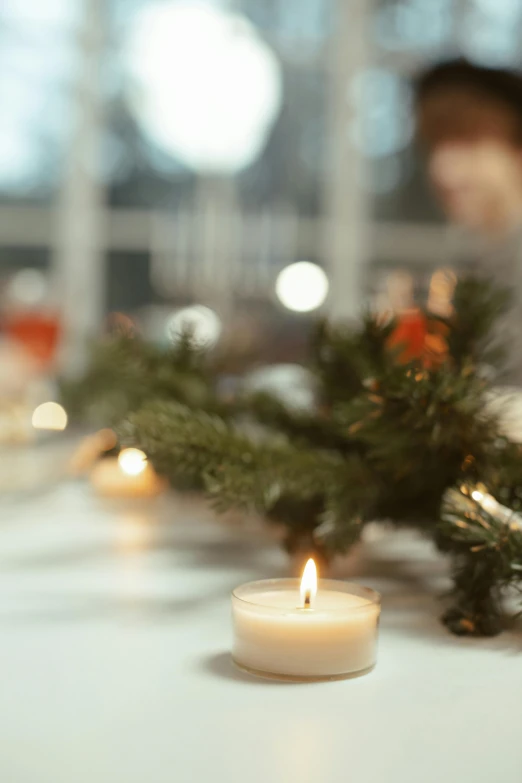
469,121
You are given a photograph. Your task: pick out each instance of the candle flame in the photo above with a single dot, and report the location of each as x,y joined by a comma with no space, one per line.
309,584
132,461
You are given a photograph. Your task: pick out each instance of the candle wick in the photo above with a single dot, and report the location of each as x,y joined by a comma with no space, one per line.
308,599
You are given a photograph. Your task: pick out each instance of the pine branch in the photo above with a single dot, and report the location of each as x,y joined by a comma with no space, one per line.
312,428
125,372
501,473
298,487
387,441
471,517
199,443
418,429
345,360
478,305
486,541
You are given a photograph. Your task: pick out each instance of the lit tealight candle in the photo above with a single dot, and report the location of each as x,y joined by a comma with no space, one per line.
127,476
291,630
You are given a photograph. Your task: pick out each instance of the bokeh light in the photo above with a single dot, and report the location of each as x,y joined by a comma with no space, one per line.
202,323
49,416
27,287
293,384
203,85
302,286
132,461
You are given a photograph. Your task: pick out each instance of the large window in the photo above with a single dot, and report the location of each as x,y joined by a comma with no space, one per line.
225,139
37,59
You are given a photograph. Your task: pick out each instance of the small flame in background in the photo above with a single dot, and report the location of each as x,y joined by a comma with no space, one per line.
132,461
309,583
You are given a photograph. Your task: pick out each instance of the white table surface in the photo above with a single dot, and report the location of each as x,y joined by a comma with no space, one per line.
115,632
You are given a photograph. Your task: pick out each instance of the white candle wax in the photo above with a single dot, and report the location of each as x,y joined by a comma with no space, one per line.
335,638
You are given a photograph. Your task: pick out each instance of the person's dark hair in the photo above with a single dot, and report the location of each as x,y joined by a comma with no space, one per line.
495,84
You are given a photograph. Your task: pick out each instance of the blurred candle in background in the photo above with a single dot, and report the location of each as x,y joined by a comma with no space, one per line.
127,476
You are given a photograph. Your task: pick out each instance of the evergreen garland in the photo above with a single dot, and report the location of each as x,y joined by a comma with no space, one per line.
388,441
125,372
486,541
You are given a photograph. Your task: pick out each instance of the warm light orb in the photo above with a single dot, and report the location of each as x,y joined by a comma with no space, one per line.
132,461
49,416
309,584
477,496
302,286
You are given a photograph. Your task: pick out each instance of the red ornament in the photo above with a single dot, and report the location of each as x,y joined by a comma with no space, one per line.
38,333
409,335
